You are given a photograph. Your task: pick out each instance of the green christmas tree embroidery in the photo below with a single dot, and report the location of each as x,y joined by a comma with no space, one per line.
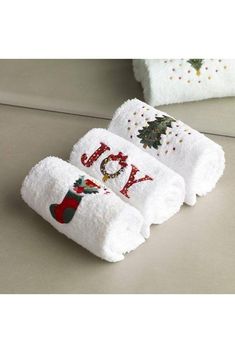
151,135
196,64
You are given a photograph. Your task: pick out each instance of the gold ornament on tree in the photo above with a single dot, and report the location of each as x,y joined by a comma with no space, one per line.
196,64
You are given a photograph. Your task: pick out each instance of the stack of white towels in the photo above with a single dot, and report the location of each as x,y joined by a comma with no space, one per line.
120,181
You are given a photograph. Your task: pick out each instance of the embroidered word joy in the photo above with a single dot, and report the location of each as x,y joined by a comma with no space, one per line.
121,159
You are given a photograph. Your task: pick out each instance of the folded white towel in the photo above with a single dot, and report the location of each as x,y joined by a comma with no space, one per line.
199,160
155,190
181,80
82,209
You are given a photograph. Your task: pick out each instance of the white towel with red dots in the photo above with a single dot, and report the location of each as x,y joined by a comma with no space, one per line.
167,81
139,179
83,209
199,160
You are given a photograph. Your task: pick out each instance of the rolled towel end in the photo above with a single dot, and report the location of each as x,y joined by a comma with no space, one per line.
122,236
145,230
207,170
174,199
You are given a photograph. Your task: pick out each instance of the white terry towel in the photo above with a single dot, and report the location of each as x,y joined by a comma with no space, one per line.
82,209
199,160
155,190
181,80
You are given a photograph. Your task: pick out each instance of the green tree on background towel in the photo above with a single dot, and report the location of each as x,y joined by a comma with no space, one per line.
196,64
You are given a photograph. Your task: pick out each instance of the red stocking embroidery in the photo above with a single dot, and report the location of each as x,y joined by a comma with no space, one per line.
64,212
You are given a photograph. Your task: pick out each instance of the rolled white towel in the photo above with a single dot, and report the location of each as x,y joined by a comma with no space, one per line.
82,209
155,190
183,80
198,159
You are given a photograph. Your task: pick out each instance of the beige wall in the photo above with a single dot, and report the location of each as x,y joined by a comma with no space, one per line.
96,88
